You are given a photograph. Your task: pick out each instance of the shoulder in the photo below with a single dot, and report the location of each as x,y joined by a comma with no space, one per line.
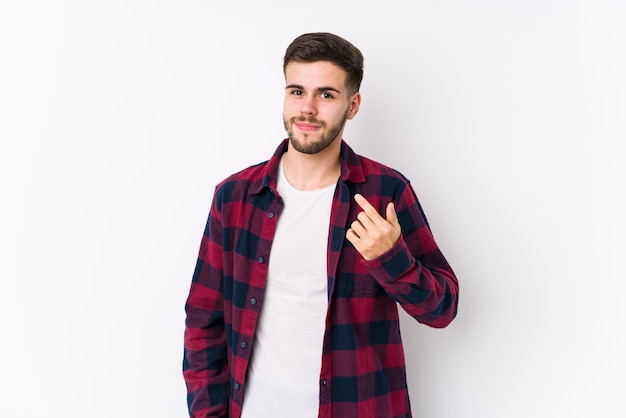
377,172
360,169
239,184
373,167
245,176
380,183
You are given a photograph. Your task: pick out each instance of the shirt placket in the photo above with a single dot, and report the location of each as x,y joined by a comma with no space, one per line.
339,217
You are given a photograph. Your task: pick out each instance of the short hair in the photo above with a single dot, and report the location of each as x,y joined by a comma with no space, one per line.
323,46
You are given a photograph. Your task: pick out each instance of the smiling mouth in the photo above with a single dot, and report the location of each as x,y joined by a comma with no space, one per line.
306,126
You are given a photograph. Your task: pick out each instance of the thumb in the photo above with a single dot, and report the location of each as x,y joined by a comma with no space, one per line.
392,217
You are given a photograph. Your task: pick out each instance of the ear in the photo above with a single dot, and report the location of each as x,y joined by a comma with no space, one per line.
355,103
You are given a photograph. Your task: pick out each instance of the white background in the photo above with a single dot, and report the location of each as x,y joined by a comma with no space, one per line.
117,119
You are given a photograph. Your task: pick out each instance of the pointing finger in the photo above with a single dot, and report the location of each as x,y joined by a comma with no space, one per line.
367,208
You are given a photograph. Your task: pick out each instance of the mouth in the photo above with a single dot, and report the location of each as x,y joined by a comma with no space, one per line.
306,126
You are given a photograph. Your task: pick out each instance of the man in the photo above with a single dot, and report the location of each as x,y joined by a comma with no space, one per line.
292,310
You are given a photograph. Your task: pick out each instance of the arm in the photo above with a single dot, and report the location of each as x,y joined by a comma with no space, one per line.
407,264
205,366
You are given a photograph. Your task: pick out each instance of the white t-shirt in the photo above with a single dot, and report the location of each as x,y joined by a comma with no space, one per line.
284,372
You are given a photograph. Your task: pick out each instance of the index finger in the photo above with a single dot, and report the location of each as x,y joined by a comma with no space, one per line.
367,207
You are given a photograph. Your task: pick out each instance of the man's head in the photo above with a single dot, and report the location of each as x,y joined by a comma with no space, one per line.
323,74
322,46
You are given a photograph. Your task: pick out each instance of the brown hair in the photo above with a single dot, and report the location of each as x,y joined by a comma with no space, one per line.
323,46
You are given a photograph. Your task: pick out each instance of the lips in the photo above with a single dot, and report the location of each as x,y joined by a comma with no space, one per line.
306,126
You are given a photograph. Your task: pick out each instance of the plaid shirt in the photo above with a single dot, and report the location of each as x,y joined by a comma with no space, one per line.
363,367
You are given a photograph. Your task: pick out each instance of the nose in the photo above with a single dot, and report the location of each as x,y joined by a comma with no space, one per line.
308,105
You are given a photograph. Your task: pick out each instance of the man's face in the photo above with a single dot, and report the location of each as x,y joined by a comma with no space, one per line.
317,105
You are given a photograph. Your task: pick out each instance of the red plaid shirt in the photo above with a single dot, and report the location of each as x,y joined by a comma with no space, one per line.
363,367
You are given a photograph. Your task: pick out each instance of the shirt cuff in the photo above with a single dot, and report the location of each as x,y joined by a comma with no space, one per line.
392,264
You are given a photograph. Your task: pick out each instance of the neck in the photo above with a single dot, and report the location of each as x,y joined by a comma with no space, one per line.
313,171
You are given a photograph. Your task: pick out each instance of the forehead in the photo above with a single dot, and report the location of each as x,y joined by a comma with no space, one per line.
314,75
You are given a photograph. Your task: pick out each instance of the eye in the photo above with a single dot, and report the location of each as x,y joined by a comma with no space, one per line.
296,92
326,95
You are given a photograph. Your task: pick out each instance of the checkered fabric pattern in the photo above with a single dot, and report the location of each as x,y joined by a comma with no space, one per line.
363,366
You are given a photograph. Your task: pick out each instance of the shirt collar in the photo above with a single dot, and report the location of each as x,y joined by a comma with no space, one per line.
351,168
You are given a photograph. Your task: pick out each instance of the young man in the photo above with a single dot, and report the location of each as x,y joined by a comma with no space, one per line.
292,310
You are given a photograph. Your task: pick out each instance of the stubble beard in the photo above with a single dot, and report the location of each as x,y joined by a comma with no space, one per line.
314,147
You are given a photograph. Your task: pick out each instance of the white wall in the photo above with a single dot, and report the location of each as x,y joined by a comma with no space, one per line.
117,119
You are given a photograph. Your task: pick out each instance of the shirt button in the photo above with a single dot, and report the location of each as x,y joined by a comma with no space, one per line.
252,301
244,344
270,215
261,260
237,386
324,382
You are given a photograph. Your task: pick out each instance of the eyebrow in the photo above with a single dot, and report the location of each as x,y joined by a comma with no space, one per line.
319,90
